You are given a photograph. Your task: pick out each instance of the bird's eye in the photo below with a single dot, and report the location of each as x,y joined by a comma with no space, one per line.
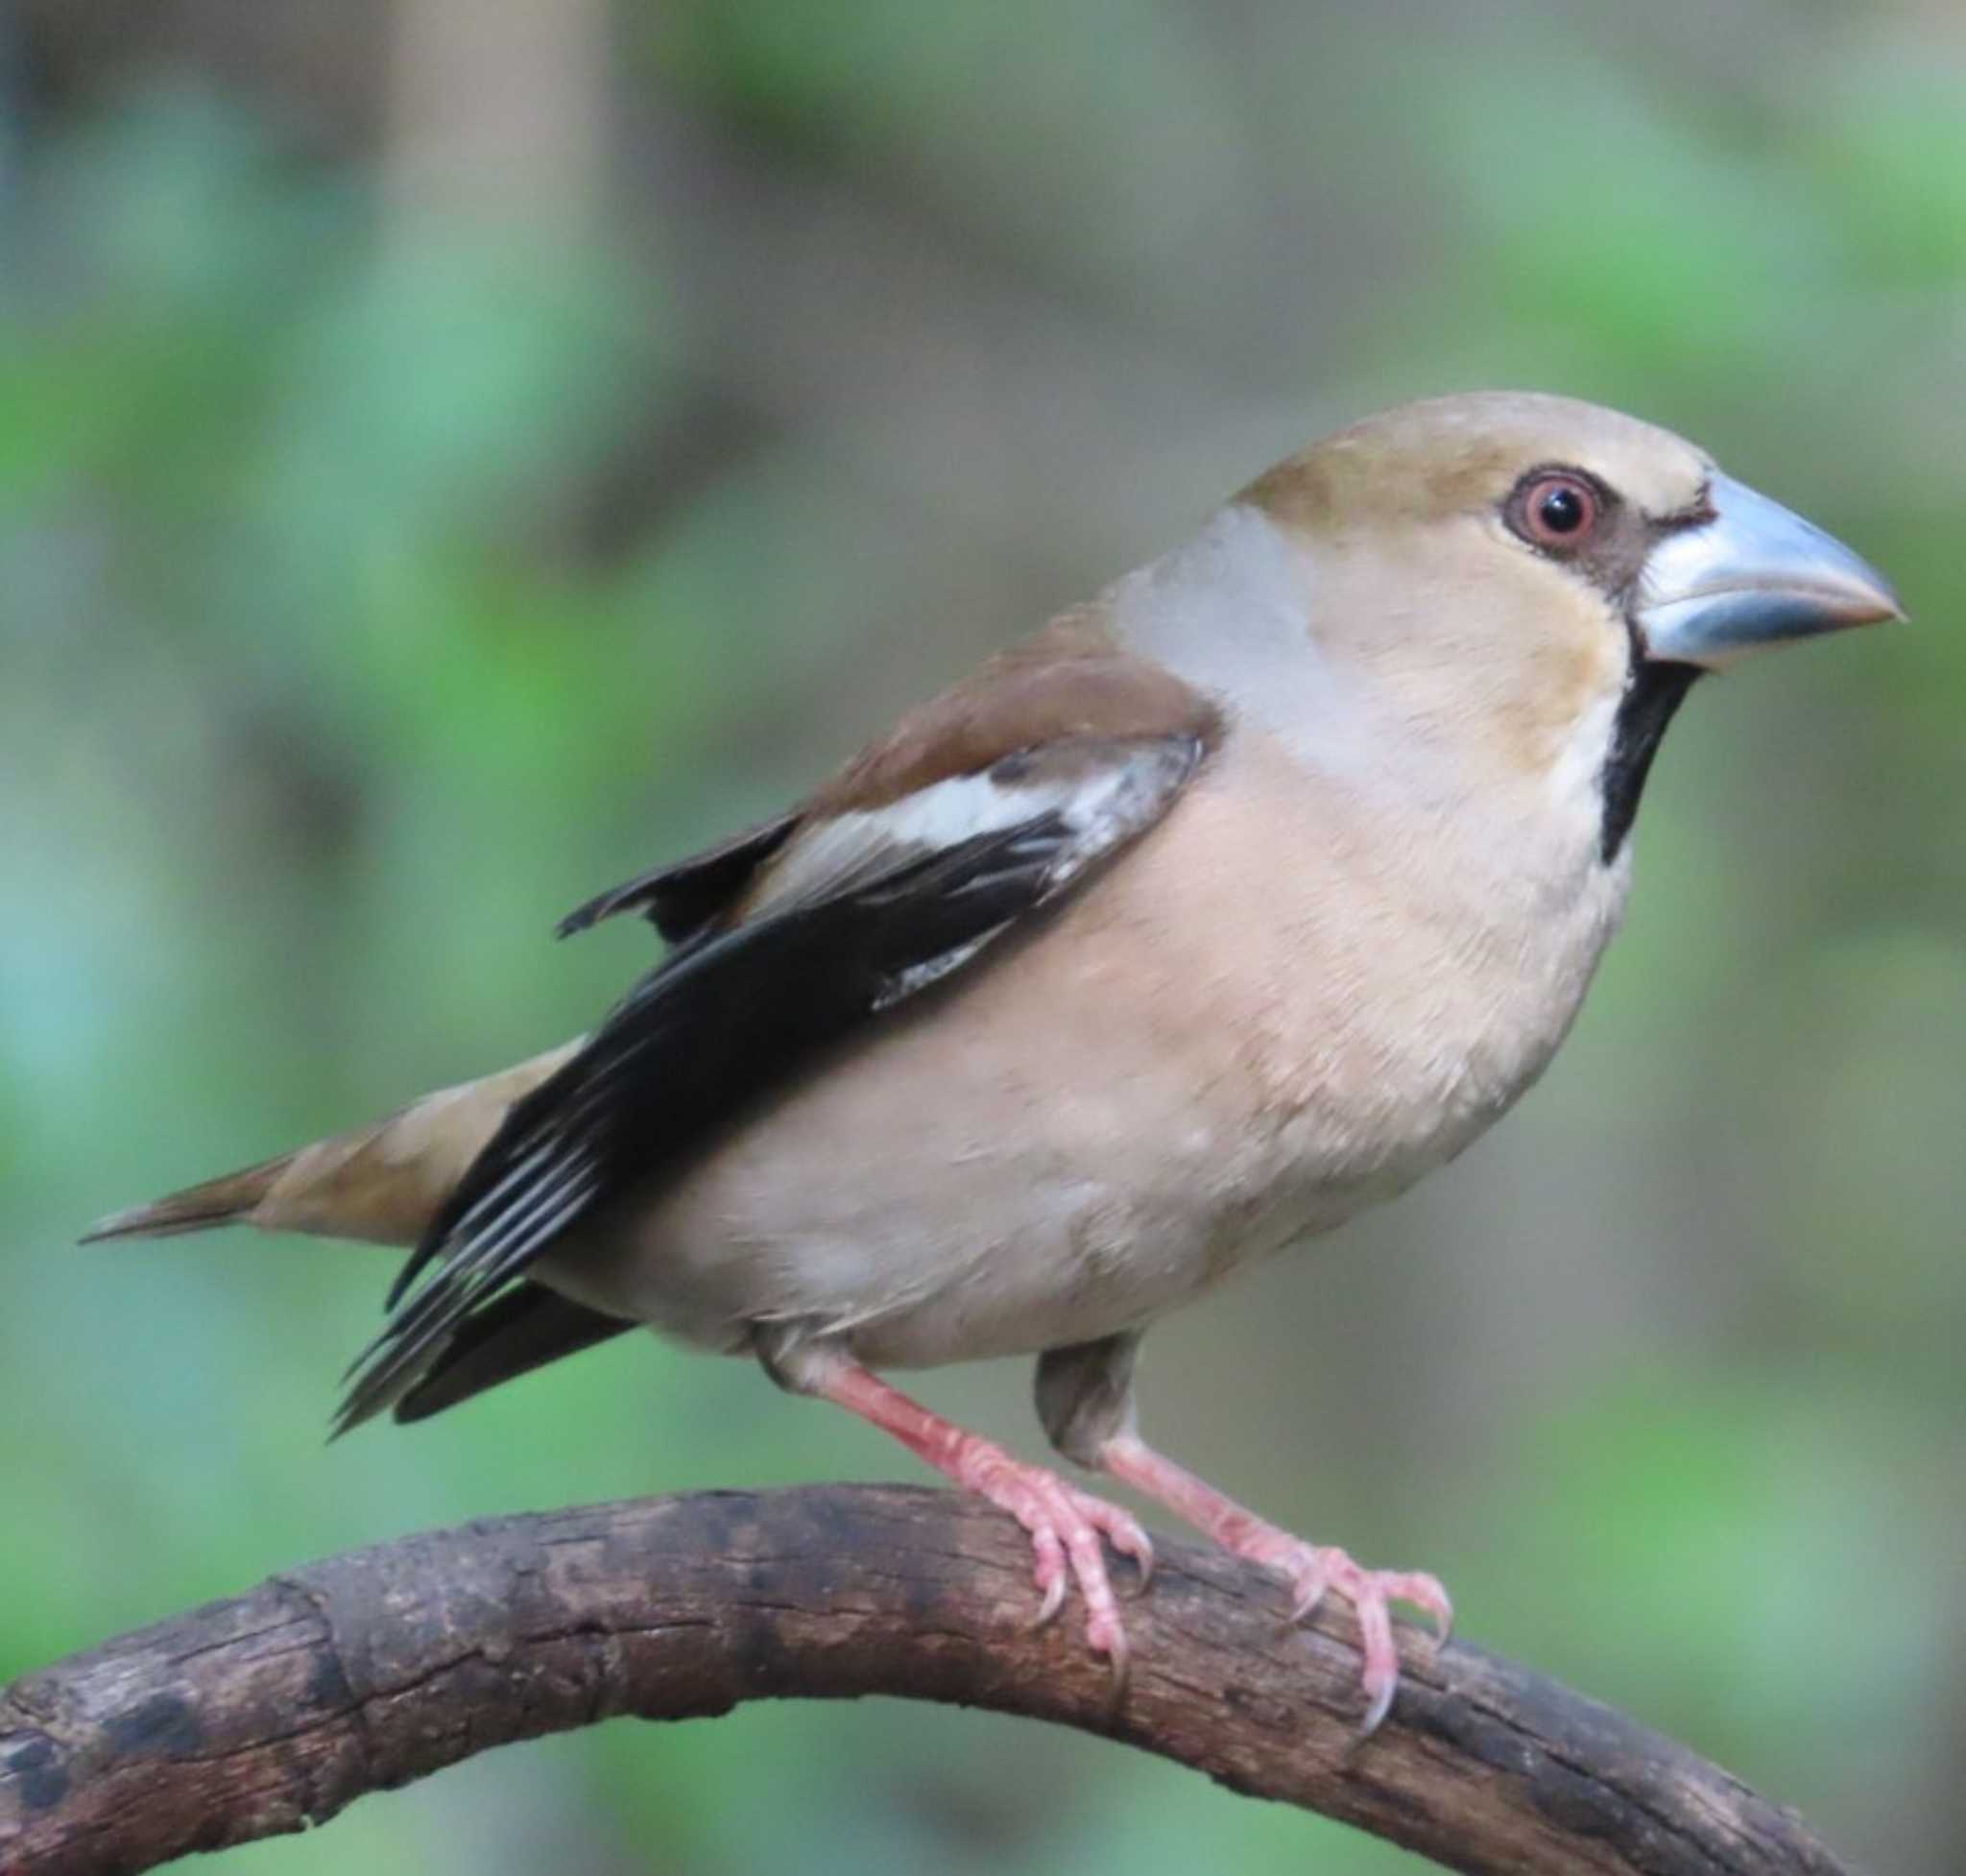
1555,510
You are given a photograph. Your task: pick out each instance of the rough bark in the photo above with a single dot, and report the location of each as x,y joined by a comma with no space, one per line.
258,1715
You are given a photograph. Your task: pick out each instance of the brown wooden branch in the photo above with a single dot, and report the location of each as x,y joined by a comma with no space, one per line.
274,1710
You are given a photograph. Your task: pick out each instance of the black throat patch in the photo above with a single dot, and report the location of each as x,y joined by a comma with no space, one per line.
1652,694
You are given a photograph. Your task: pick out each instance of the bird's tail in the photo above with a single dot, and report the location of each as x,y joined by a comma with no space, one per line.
225,1201
382,1184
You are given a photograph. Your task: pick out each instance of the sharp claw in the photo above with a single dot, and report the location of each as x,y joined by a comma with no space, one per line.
1139,1547
1303,1604
1120,1660
1425,1593
1381,1705
1108,1638
1054,1600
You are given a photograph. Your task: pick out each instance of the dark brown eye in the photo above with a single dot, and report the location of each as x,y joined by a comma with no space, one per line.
1556,510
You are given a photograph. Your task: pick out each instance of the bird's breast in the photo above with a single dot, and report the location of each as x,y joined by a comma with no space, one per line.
1378,990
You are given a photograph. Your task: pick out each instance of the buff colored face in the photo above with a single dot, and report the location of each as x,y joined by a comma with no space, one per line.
1508,557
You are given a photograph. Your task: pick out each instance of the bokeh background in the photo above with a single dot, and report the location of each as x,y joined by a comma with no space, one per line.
454,455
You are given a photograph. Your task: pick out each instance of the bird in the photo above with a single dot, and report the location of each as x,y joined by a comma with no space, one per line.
1225,906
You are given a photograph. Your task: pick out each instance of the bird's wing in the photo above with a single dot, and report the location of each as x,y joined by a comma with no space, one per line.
1066,681
521,1329
684,897
861,909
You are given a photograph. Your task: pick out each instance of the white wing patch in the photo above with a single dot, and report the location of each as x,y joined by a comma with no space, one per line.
1104,790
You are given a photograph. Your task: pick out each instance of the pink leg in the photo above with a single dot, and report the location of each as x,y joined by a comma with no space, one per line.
1310,1569
1064,1523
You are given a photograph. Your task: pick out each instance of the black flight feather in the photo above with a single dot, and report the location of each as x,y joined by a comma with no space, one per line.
523,1329
682,898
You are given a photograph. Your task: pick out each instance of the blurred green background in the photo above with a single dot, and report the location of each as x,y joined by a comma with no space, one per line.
454,456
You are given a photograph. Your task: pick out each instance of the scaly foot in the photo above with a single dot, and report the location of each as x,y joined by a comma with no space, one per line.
1311,1570
1066,1525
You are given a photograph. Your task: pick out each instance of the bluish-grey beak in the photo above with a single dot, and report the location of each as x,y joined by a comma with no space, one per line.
1754,575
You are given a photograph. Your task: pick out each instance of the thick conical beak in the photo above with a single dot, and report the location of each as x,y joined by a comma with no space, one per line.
1754,575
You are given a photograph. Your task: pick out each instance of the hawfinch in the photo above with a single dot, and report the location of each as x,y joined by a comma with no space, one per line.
1227,905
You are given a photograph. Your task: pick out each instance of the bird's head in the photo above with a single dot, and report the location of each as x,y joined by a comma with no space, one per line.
1533,583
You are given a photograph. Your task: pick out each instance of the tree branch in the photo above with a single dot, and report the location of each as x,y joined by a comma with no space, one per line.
274,1710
